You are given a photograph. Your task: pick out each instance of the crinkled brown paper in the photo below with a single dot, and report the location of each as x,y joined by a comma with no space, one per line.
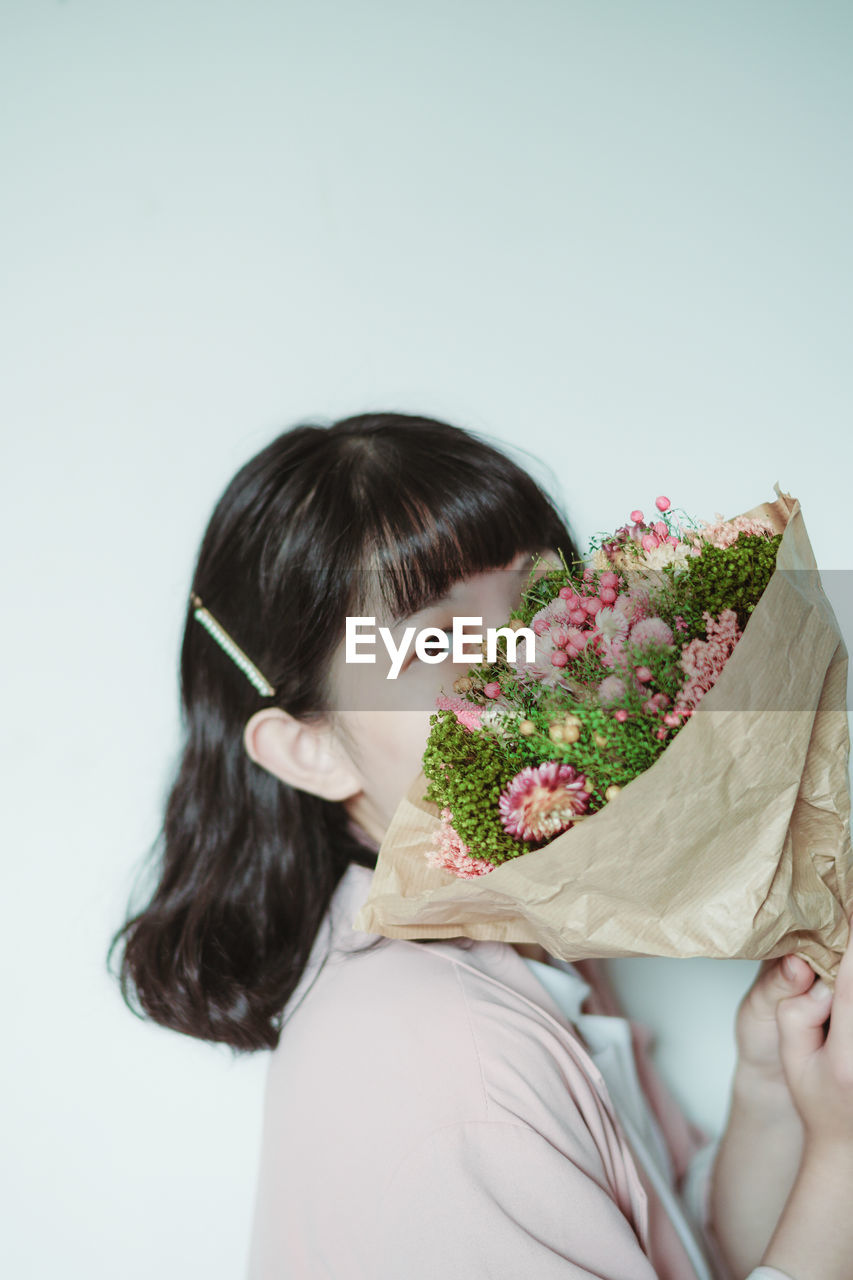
734,844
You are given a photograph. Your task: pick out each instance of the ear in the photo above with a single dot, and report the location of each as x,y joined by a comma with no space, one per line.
306,756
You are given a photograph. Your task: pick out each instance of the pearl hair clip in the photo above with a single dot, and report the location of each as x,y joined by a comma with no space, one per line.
233,650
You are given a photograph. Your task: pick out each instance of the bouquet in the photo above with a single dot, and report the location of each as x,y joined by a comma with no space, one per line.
664,774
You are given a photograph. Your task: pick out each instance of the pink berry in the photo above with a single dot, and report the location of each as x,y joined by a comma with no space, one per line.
650,707
560,637
660,699
673,542
558,659
621,715
637,517
643,674
540,626
672,719
650,541
565,593
571,652
492,690
609,579
661,733
660,529
577,616
607,595
592,604
662,503
588,575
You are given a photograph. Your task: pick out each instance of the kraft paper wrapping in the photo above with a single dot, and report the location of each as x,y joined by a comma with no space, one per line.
734,844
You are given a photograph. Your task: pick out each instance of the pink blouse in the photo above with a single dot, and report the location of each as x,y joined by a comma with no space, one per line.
431,1112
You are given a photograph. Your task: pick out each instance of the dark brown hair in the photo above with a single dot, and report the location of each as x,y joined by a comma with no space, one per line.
244,865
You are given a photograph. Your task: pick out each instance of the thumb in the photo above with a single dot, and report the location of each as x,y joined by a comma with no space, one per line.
801,1020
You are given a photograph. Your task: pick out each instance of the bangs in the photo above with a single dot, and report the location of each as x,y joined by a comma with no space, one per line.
442,526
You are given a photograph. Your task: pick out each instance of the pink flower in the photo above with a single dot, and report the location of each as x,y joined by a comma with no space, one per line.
703,660
633,604
542,800
612,652
556,610
492,689
450,853
722,533
611,689
467,713
558,640
650,631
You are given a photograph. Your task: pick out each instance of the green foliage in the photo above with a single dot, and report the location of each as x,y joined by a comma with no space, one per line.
720,578
467,771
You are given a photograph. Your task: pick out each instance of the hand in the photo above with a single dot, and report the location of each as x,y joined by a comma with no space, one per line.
818,1062
759,1063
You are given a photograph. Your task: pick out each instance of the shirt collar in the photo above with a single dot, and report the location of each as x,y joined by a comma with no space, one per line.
563,983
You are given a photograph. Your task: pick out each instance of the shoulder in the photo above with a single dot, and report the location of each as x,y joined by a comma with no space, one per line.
388,1022
434,1032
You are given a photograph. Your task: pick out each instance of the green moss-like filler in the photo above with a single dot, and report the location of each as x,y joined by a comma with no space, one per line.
720,578
467,770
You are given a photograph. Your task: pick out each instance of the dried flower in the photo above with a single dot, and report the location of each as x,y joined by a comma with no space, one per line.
542,800
450,853
650,631
611,623
611,689
722,533
467,713
666,553
703,660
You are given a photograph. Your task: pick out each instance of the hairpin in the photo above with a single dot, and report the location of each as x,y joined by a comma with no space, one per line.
233,650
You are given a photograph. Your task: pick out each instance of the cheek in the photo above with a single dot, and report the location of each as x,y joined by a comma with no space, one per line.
396,736
391,745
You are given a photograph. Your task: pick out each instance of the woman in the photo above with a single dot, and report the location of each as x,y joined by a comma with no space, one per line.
435,1108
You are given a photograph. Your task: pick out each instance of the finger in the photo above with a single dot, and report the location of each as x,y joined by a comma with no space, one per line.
800,1019
796,972
841,1026
782,976
847,955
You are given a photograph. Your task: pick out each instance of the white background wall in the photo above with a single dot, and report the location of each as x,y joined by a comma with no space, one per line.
614,233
